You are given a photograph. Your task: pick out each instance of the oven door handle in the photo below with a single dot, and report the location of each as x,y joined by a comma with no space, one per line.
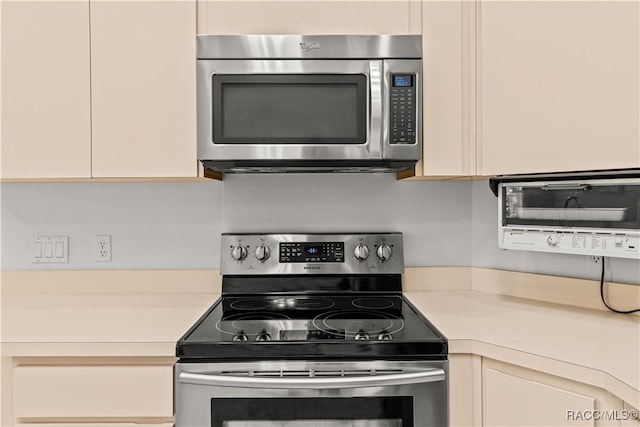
284,382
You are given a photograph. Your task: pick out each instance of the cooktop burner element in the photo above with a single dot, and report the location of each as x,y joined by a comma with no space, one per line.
359,324
372,303
282,303
249,324
284,307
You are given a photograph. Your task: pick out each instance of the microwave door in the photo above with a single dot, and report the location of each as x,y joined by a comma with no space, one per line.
289,109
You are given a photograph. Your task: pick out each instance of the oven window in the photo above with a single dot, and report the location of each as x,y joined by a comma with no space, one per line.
289,109
396,411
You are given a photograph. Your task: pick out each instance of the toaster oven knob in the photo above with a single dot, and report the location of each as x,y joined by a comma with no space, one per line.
361,252
384,252
239,253
240,337
362,336
262,253
263,336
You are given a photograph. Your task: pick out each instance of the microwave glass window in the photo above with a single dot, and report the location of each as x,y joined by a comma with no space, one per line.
296,109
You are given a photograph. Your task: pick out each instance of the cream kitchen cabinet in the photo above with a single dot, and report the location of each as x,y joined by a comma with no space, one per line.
309,17
448,92
45,101
98,89
115,391
465,390
143,88
558,86
95,425
513,395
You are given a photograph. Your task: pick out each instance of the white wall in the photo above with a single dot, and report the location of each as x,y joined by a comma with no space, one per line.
152,224
177,225
434,216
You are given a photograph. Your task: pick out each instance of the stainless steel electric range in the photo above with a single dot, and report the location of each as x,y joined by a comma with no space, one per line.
312,330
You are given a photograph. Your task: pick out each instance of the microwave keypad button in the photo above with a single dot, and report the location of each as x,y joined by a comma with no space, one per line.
402,115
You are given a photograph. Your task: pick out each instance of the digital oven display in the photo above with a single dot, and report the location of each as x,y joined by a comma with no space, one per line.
312,252
402,80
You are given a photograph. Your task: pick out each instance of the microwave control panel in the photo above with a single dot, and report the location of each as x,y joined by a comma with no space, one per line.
403,109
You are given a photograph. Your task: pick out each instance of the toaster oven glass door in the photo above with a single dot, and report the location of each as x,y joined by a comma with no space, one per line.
601,205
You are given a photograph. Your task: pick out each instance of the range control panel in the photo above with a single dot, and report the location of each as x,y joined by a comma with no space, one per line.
326,253
403,109
312,252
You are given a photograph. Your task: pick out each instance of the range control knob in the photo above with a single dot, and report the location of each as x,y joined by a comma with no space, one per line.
384,252
262,253
263,336
239,253
384,336
552,241
362,336
240,337
361,252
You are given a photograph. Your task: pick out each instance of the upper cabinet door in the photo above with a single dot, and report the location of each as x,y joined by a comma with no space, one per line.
143,88
448,98
558,86
308,17
46,129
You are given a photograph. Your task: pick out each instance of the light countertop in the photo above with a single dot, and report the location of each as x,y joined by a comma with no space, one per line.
105,325
599,347
592,346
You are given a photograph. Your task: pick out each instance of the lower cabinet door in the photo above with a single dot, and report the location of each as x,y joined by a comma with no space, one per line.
109,393
510,399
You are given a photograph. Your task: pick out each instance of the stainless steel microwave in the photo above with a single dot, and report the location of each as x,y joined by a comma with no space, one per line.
595,213
282,103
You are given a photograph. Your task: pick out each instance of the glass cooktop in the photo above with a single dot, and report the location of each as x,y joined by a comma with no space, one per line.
358,325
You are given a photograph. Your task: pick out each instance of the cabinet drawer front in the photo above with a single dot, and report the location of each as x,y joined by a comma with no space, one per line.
94,425
93,391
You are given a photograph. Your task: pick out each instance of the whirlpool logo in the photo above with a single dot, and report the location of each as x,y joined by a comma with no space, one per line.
312,267
307,46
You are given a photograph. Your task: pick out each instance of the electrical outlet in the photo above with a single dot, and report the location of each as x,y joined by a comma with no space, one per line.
594,261
103,248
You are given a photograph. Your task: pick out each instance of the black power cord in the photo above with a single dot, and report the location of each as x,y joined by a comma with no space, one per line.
602,295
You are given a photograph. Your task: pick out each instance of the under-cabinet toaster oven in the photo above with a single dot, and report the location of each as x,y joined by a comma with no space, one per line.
572,216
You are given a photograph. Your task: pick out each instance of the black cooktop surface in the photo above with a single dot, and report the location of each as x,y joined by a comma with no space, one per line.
323,324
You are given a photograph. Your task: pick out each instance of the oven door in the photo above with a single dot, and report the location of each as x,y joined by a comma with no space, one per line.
289,109
305,394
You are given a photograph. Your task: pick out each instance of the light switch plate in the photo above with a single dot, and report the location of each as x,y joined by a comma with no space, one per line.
50,250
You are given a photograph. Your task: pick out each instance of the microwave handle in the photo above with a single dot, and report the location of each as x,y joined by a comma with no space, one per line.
377,131
432,375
